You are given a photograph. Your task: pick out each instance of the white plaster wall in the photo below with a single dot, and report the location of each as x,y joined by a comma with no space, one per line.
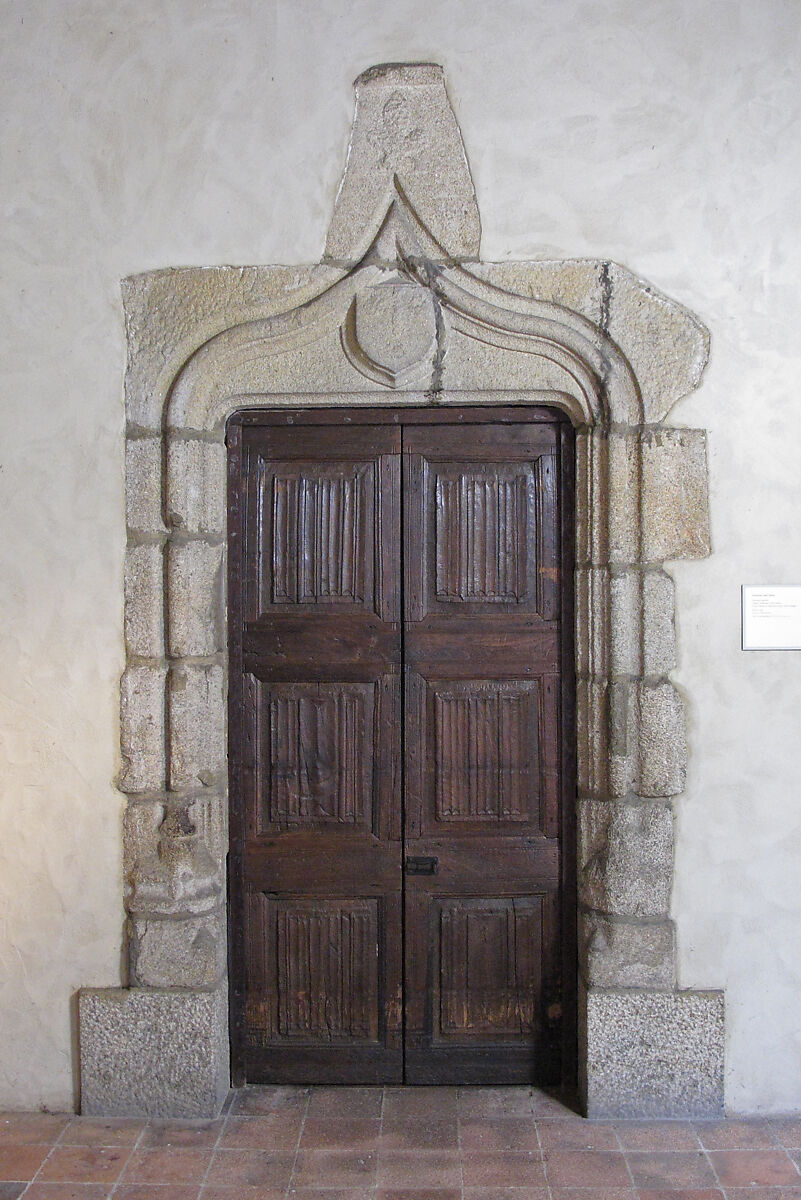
145,133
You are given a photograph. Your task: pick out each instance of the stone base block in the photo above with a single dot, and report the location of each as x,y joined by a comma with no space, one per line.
153,1053
653,1054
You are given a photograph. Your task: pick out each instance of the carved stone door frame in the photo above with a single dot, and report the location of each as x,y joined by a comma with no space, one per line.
401,310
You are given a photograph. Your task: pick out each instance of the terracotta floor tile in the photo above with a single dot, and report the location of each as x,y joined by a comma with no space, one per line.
546,1106
242,1192
329,1133
786,1130
168,1164
71,1191
419,1135
657,1135
742,1168
21,1162
503,1193
577,1135
20,1129
505,1170
157,1191
352,1102
580,1168
420,1103
252,1168
684,1193
84,1164
273,1131
671,1170
418,1194
498,1136
334,1169
418,1169
198,1134
255,1101
763,1193
99,1131
11,1191
356,1193
476,1103
735,1135
599,1193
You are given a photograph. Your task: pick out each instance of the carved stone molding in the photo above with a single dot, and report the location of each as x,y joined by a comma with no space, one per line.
398,310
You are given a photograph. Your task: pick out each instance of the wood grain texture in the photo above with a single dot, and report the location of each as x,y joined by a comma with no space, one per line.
363,736
482,738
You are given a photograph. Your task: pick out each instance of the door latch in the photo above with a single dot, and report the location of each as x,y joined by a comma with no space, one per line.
422,866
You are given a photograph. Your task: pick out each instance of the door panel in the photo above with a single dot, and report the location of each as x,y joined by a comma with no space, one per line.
398,776
482,645
320,710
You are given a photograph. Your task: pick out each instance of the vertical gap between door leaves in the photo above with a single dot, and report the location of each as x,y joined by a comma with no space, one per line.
402,773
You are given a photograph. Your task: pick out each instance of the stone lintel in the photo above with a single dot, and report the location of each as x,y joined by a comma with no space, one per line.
153,1053
652,1054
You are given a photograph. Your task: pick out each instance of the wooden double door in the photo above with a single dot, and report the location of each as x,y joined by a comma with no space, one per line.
400,624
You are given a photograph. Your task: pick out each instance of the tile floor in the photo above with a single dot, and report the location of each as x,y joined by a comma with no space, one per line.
284,1143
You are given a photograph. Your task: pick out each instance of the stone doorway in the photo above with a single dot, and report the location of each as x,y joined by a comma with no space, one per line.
402,306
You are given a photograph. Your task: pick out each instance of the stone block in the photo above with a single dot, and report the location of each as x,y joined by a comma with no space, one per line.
675,495
471,364
659,621
592,617
571,283
662,741
196,486
623,737
592,491
169,313
186,953
142,729
196,598
625,623
208,814
404,128
174,859
621,954
196,697
665,343
144,601
591,737
143,476
623,499
153,1053
625,857
140,835
652,1054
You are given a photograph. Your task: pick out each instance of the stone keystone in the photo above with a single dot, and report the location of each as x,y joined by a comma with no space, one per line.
405,133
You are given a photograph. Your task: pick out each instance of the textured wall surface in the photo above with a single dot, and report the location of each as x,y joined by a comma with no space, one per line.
141,135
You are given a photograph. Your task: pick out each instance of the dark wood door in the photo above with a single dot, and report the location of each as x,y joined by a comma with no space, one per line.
482,658
315,705
399,883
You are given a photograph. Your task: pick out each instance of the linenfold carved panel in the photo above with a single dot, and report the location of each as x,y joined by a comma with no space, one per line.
315,754
490,971
315,969
486,751
480,537
316,521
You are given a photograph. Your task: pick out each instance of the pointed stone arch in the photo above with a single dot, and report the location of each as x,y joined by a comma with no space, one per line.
402,309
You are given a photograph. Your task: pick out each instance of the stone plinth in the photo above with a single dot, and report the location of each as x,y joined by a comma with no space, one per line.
153,1053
